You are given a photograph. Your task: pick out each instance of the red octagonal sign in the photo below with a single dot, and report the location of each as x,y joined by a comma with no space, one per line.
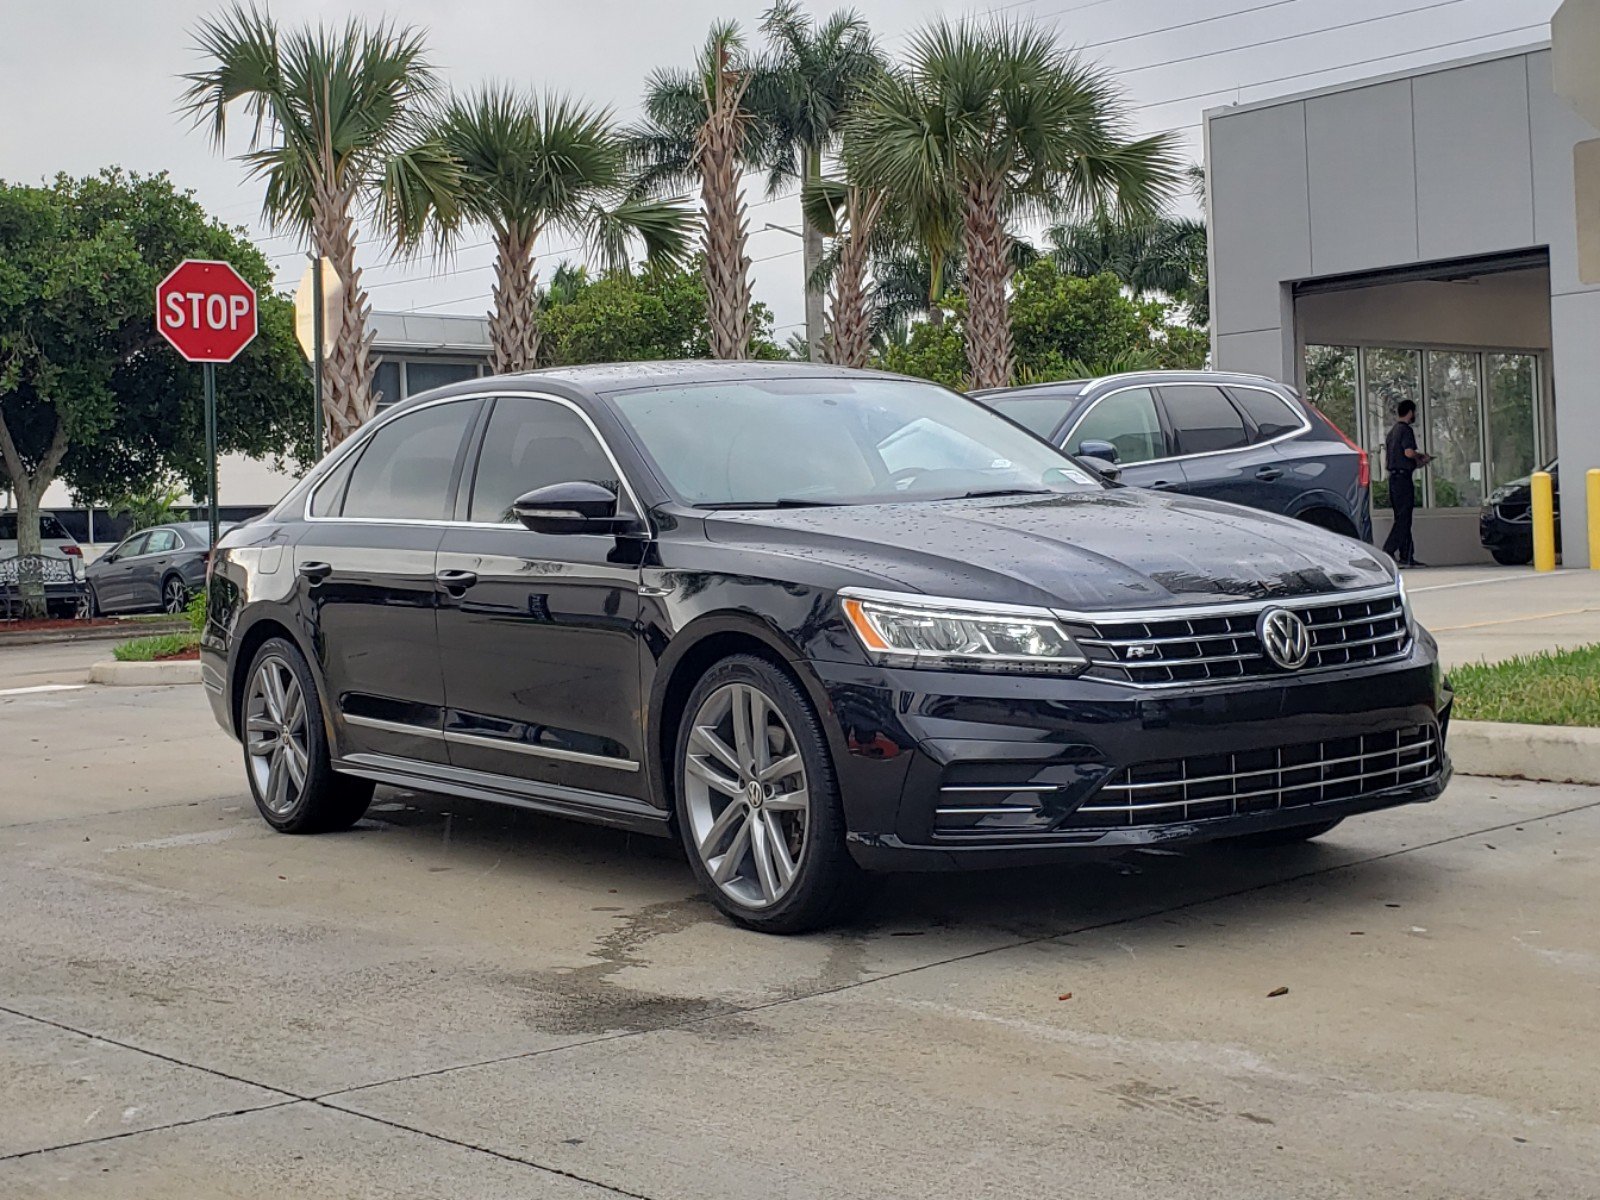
206,310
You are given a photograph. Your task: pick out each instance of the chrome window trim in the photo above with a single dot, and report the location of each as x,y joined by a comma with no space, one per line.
370,430
1305,422
468,739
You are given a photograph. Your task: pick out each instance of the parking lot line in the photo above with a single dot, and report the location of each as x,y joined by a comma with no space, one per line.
42,687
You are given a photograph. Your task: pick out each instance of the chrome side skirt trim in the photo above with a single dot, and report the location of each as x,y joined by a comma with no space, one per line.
599,808
391,726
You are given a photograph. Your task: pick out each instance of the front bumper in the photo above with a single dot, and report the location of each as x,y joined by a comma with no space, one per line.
1042,749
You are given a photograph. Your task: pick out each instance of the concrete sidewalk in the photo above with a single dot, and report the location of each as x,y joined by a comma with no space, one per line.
1485,614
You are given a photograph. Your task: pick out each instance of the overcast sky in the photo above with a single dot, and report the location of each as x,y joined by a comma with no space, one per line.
88,83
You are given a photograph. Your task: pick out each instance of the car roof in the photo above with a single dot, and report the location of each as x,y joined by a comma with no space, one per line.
1155,377
606,378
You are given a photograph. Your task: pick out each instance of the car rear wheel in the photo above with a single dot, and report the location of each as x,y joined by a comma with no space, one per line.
1512,556
758,803
174,595
1291,835
286,757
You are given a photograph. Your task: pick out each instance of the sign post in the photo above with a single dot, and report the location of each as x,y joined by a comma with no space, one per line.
207,310
316,311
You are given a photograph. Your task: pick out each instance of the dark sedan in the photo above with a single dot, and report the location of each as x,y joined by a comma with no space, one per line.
812,622
1245,439
154,570
1505,524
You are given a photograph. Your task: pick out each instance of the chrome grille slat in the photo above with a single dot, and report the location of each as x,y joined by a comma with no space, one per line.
1396,757
1200,646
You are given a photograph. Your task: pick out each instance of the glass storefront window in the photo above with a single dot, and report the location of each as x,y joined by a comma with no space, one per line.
1451,431
386,382
1512,385
1331,384
1391,376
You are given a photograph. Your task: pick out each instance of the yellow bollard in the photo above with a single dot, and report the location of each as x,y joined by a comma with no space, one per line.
1593,479
1544,522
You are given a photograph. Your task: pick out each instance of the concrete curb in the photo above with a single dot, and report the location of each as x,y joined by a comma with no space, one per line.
144,674
1558,753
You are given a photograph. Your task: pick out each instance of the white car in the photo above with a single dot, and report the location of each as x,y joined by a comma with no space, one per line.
63,584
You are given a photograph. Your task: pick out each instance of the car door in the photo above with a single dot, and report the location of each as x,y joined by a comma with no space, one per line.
1287,468
1210,434
365,568
112,589
144,579
538,632
1130,420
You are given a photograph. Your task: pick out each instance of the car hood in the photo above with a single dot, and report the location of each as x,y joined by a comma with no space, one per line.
1117,548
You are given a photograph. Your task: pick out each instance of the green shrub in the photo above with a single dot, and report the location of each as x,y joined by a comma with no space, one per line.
196,612
148,649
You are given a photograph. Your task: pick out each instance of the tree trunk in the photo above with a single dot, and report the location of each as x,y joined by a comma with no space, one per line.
812,258
514,322
988,245
850,328
727,268
29,488
347,398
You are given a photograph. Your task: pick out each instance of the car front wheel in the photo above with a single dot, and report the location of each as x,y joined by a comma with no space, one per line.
757,801
286,757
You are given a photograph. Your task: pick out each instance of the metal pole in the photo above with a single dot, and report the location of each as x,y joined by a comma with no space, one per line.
1544,522
211,445
316,357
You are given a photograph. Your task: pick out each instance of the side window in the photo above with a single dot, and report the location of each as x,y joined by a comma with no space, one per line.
161,542
1272,414
1204,418
329,497
405,468
52,530
134,545
531,444
1128,421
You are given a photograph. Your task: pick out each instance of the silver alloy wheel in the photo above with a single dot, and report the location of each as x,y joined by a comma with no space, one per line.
276,735
174,596
744,786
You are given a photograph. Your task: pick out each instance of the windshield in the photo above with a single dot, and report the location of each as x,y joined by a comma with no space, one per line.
1041,414
761,442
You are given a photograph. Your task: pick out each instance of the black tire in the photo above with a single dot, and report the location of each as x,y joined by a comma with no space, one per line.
1327,518
325,800
1512,556
1290,835
173,587
91,603
826,881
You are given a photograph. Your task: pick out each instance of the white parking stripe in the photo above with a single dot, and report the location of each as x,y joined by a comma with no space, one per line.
1440,587
42,687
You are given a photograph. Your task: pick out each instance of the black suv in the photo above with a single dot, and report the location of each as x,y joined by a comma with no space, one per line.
1241,438
1505,523
810,621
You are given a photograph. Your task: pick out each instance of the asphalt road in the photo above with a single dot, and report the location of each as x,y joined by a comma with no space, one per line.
455,1000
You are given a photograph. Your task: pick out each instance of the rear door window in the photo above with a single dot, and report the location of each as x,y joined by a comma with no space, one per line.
1272,415
1204,419
161,541
406,469
1128,420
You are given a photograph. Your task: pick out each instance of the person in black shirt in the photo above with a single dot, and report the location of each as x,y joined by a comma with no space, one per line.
1401,458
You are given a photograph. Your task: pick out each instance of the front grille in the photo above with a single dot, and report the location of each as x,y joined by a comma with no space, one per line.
1515,511
1249,781
1150,649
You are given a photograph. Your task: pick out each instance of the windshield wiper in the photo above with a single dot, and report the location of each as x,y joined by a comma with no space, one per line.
781,502
982,492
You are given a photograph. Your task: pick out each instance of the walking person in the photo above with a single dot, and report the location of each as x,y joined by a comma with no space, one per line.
1401,458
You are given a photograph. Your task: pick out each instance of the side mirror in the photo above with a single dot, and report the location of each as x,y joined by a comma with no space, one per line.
1104,451
576,507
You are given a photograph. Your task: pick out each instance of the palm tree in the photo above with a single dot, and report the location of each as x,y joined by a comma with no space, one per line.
700,130
526,165
815,70
1017,127
335,115
1164,254
848,213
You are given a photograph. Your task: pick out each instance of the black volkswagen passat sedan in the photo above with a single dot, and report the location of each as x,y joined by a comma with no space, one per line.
811,621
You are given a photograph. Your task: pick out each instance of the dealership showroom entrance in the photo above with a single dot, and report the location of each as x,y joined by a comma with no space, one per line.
1469,343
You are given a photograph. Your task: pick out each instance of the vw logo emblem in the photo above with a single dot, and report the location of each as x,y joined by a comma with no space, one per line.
1284,637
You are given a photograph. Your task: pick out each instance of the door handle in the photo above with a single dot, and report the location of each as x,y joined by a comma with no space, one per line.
1269,473
456,582
315,572
1159,484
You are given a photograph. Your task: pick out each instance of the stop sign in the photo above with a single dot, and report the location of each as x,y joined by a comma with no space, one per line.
206,310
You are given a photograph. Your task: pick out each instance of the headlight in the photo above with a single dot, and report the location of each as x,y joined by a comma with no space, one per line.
914,632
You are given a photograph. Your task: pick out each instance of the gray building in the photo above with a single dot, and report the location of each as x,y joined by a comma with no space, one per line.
418,351
1416,236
